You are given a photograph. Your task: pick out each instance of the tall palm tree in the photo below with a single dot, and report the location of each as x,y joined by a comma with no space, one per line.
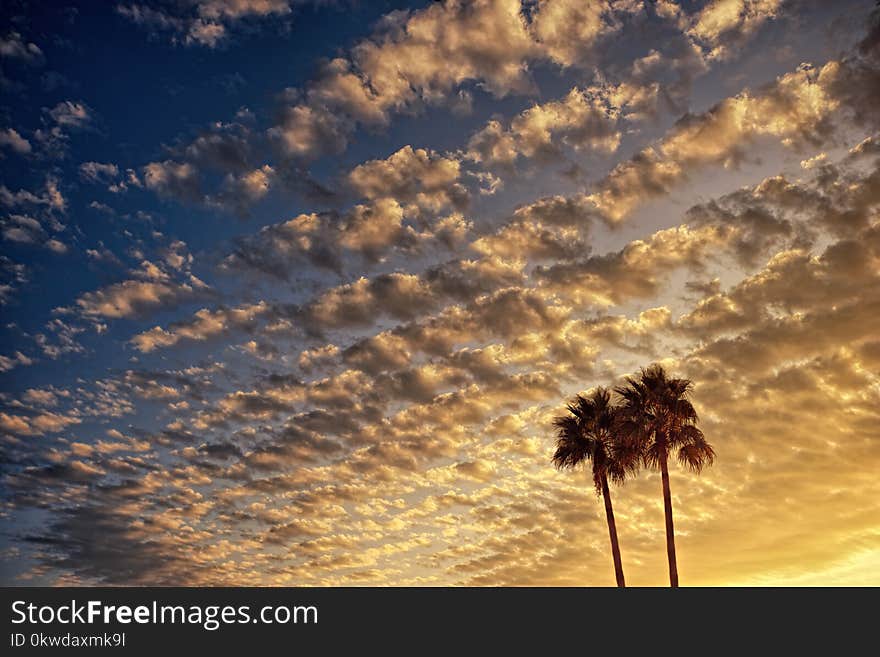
657,419
586,433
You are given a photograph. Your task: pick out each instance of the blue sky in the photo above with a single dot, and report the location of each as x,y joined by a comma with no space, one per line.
226,223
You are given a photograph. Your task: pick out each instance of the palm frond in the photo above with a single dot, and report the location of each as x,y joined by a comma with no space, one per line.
697,455
657,416
572,447
588,433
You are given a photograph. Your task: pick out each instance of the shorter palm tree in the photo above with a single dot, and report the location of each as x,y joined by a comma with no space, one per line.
587,433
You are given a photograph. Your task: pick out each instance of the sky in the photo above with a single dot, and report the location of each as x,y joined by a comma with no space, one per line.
292,289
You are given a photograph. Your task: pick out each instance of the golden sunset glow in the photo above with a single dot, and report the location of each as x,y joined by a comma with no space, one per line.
277,324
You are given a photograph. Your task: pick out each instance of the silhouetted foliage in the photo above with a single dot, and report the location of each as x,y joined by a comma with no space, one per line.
656,418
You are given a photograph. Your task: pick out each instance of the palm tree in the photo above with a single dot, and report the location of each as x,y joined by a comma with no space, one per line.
586,433
656,420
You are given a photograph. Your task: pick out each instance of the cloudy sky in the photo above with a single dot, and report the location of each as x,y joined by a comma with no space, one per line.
291,289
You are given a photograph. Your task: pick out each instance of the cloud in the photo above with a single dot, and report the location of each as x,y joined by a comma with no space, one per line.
225,148
240,193
305,131
25,229
567,30
796,109
452,230
422,56
204,324
721,24
240,8
274,249
798,282
637,270
98,172
358,303
493,144
414,58
205,33
203,22
132,298
72,115
14,46
151,286
581,120
13,274
35,425
11,139
51,198
533,241
411,176
21,228
59,339
372,228
8,363
57,246
173,179
405,296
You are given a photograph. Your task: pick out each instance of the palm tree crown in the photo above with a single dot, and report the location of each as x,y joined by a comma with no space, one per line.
587,433
657,418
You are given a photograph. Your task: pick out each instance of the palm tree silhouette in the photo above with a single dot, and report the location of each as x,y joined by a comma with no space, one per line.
587,433
656,418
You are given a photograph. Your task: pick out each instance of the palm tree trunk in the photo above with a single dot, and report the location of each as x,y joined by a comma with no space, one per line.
670,530
612,531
